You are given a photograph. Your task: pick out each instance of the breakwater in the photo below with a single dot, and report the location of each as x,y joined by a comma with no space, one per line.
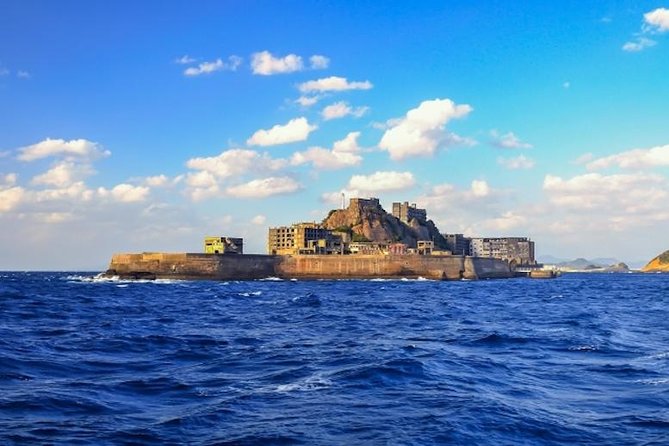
191,266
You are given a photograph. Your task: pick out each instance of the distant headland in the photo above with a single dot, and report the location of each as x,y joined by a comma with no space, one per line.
659,264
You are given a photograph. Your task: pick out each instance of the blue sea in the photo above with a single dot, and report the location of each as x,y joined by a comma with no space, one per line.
582,359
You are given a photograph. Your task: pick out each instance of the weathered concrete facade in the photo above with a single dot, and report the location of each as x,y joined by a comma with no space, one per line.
249,267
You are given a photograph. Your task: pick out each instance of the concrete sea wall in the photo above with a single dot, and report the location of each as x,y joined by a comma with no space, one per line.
248,267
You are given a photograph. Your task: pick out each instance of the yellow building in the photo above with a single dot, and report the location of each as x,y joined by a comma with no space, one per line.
302,238
223,245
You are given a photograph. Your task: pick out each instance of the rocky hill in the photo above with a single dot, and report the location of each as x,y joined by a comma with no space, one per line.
658,264
367,220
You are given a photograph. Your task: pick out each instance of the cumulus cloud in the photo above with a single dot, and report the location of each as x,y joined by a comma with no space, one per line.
382,181
633,159
235,162
654,22
519,162
638,44
157,181
264,187
259,220
319,62
333,83
79,148
64,174
508,141
307,101
422,130
371,185
266,64
125,193
23,74
10,198
345,153
234,165
466,209
658,19
295,130
623,194
341,109
209,67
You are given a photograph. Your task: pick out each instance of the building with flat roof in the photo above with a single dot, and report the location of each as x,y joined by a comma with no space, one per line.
458,244
407,212
303,238
518,250
223,245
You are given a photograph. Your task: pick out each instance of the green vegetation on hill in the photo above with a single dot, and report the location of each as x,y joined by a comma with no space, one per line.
664,257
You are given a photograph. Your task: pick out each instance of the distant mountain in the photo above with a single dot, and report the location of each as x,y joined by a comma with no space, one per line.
600,264
579,264
658,264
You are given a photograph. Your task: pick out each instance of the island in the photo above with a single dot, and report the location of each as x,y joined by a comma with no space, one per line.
659,264
361,241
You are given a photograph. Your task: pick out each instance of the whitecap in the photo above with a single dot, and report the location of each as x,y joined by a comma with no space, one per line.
250,293
653,382
584,348
315,382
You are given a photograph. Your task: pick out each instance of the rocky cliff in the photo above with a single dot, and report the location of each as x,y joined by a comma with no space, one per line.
367,220
658,264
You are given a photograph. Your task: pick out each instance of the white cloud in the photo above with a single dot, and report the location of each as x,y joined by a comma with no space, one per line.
639,44
371,185
185,60
333,83
295,130
80,148
319,62
156,181
264,187
627,194
633,159
422,130
266,64
259,220
22,74
345,153
125,193
505,222
209,67
9,179
508,141
658,19
74,193
519,162
341,109
63,174
235,162
382,181
307,101
10,198
480,188
54,217
654,22
4,71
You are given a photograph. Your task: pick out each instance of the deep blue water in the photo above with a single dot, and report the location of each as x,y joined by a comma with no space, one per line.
580,359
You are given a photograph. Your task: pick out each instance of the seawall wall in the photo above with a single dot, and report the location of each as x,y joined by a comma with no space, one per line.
248,267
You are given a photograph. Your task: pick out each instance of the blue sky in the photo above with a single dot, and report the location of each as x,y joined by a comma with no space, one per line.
133,126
